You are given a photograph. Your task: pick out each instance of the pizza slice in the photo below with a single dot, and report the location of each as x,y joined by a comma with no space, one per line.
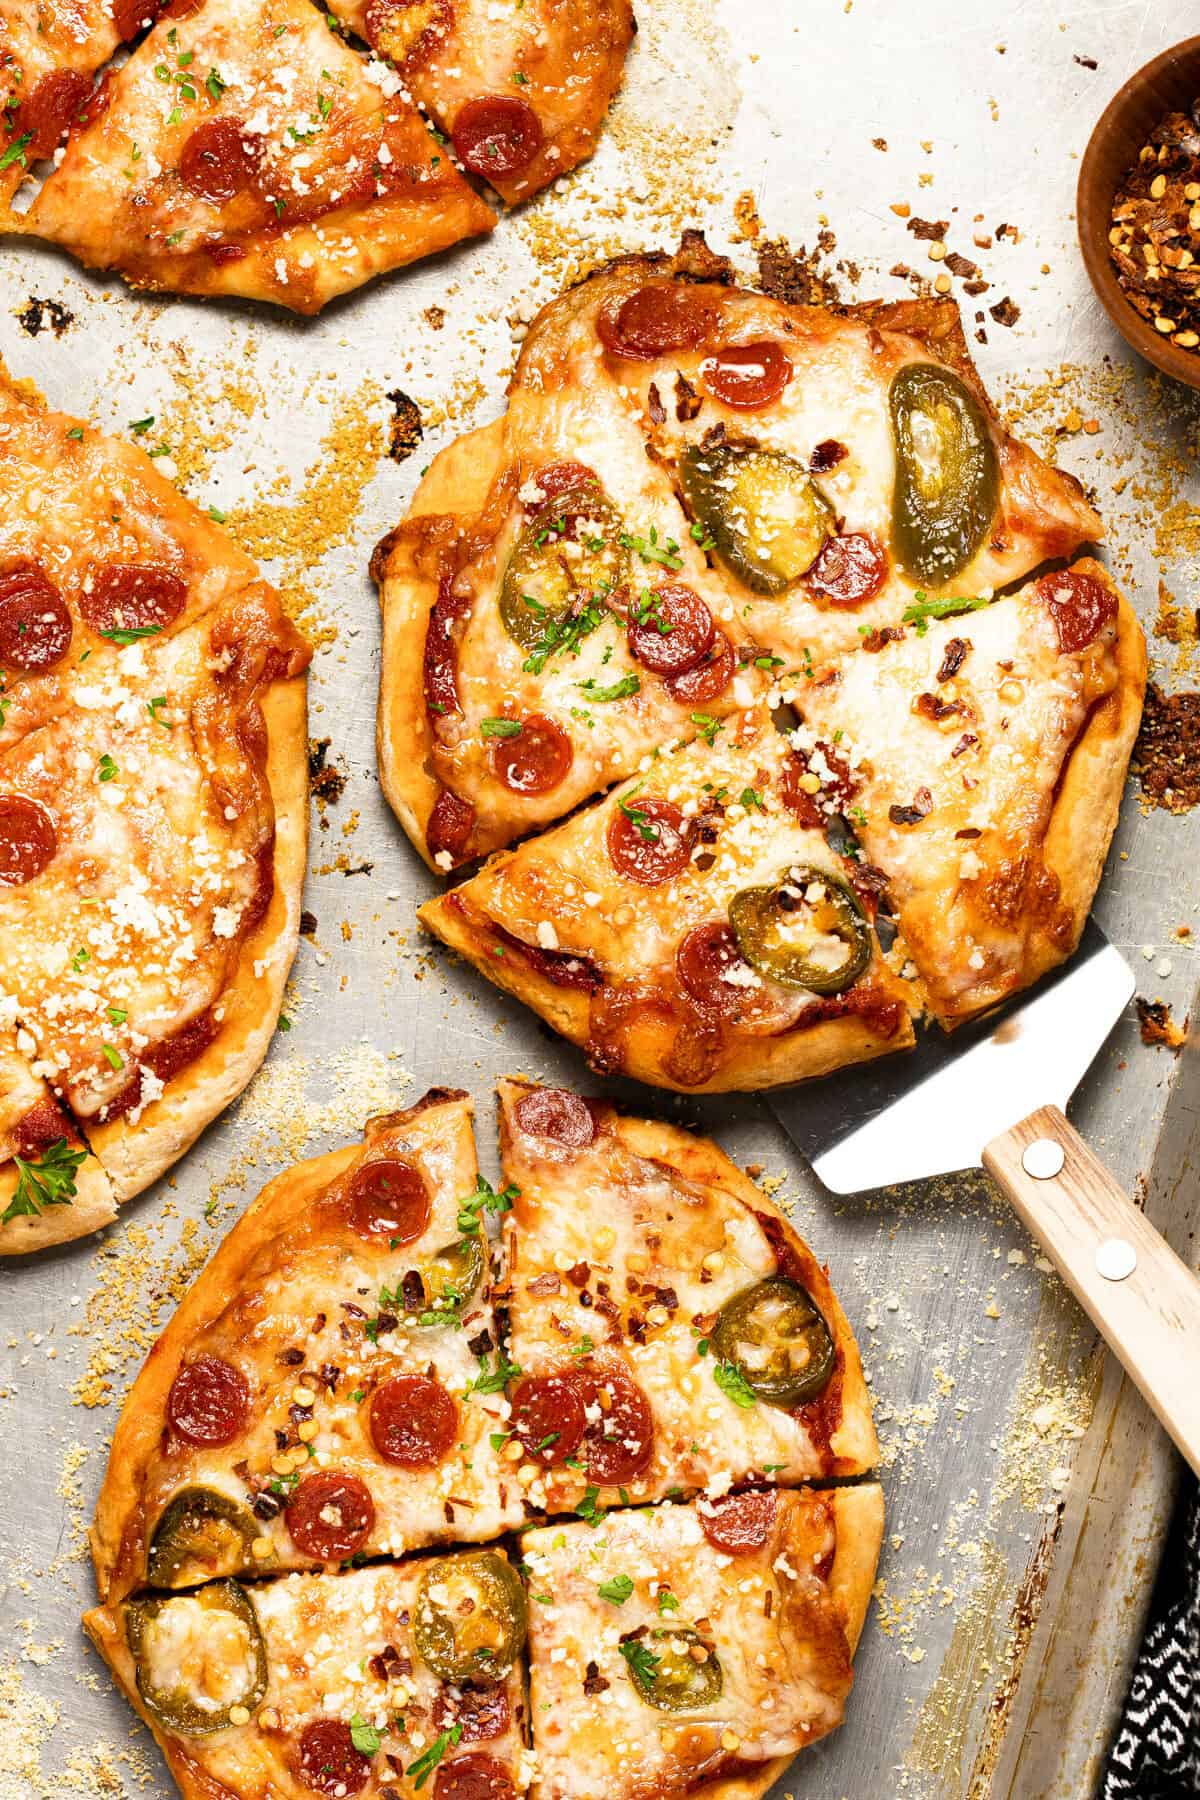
394,1680
50,51
695,1649
45,1165
983,756
330,1387
243,149
696,928
672,1330
521,91
547,617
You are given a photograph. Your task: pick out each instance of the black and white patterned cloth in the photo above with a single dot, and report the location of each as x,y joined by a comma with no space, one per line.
1156,1753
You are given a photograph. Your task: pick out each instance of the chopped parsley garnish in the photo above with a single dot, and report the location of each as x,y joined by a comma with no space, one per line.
922,610
214,512
768,662
587,1510
617,1590
140,427
106,768
154,707
667,1603
641,1659
733,1384
484,1199
499,728
561,631
16,151
639,819
707,726
117,1015
700,536
624,689
284,1023
650,550
47,1181
520,77
752,797
584,1347
113,1057
492,1380
76,432
427,1762
130,634
364,1737
80,957
649,611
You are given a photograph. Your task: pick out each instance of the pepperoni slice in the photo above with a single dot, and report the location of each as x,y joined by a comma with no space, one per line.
28,840
329,1516
563,478
740,1523
709,679
481,1712
441,651
208,1402
387,1198
329,1763
548,1417
619,1443
670,630
133,597
450,825
536,758
747,376
701,962
35,625
653,320
414,1422
1080,606
554,1113
219,161
473,1777
51,109
650,841
496,135
849,570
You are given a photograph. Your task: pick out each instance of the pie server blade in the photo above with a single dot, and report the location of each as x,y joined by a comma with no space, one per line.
994,1095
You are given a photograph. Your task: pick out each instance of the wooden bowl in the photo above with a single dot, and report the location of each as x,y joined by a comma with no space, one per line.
1168,84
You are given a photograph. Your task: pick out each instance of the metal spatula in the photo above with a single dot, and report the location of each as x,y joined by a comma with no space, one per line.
995,1094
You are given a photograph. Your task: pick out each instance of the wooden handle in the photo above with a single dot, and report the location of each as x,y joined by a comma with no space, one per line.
1129,1281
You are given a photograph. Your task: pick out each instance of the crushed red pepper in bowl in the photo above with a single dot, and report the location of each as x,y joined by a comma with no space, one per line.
1154,236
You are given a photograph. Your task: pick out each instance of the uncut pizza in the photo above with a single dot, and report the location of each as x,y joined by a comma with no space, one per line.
480,1492
153,821
748,649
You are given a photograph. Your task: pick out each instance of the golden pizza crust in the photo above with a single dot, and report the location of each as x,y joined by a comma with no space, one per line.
134,1155
751,1063
119,1531
457,483
93,1207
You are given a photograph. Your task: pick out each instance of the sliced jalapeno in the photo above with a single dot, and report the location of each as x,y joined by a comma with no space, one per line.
569,553
806,931
766,518
674,1669
470,1617
197,1656
947,475
201,1532
776,1340
449,1279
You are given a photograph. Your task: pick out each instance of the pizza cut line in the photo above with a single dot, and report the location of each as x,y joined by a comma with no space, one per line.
153,822
246,148
375,1471
717,645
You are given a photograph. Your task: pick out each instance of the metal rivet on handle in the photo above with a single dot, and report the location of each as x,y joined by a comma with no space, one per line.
1116,1259
1043,1159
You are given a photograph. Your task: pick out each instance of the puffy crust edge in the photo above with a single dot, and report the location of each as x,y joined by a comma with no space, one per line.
118,1527
798,1055
701,1161
93,1207
135,1155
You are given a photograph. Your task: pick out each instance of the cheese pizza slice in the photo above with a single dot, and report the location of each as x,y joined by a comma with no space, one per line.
695,1649
45,1165
49,53
546,618
394,1680
696,928
520,89
330,1387
243,149
983,755
672,1330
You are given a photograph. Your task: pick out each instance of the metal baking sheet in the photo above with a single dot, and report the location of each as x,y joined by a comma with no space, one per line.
1027,1487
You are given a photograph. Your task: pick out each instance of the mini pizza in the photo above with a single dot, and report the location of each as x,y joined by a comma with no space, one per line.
672,1331
520,90
695,928
546,617
389,1681
330,1387
153,813
243,150
981,759
695,1649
